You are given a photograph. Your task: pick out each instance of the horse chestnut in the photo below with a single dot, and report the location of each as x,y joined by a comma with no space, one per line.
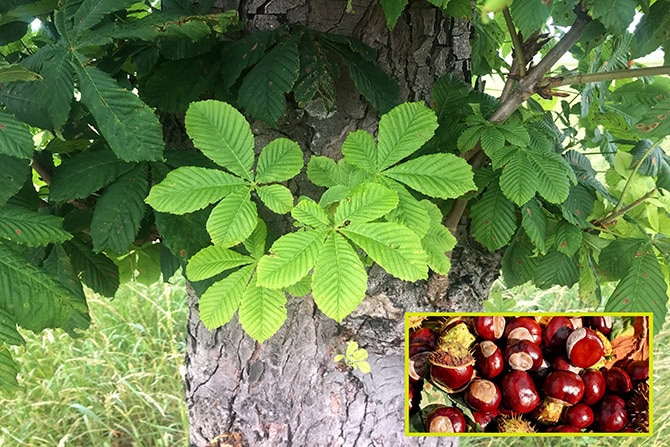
483,395
519,393
638,370
489,328
618,381
580,415
523,356
611,415
601,324
523,328
561,389
556,333
451,373
488,359
584,348
594,386
446,420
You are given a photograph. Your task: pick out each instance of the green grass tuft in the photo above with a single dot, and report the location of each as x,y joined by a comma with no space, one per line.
119,385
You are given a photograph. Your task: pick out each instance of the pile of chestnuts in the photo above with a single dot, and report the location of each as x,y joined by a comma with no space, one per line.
526,374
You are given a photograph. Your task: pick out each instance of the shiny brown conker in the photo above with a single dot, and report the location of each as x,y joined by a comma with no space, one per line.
584,348
446,420
611,414
519,392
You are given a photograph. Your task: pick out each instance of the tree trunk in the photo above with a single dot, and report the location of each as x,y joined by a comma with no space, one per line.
288,391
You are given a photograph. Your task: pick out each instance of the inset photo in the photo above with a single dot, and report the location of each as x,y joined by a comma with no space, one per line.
533,374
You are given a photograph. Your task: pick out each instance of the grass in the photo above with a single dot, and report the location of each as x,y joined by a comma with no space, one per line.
119,385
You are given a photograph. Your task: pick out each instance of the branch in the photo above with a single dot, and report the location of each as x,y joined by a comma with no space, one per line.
607,76
516,43
42,171
607,220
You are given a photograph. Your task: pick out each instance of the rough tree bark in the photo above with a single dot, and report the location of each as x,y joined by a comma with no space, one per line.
288,391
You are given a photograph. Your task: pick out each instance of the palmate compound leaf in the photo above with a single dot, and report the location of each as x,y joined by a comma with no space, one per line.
191,188
15,138
262,93
255,243
310,213
360,150
128,125
519,179
233,219
119,211
339,280
367,202
409,211
291,257
493,219
280,160
262,311
220,301
35,299
394,247
277,198
223,135
642,289
212,260
8,370
402,131
31,228
437,175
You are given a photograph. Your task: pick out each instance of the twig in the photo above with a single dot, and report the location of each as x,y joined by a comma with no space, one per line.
606,76
42,171
633,174
614,215
516,42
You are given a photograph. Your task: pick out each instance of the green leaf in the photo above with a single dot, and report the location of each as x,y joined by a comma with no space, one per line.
13,175
15,138
642,289
212,260
515,134
437,175
233,219
367,202
35,299
85,173
616,258
219,303
360,150
262,91
8,332
492,140
128,125
519,262
318,73
255,243
339,280
8,371
322,171
57,87
262,312
519,179
469,138
119,211
652,31
568,238
184,235
409,211
95,269
402,131
191,188
308,212
91,12
301,288
223,135
31,228
396,248
530,16
579,206
616,15
241,54
15,72
276,197
553,175
534,223
291,257
280,160
493,219
555,268
392,10
437,242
